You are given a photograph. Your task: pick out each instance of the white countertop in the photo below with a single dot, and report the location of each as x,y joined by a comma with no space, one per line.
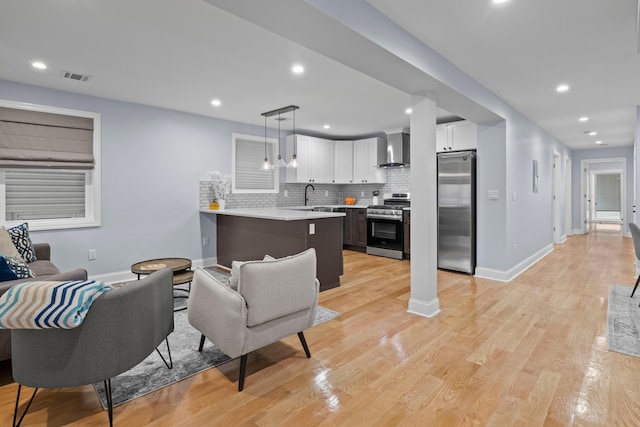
324,206
281,214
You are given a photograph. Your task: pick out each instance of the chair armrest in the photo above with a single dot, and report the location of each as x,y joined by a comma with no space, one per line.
218,312
43,251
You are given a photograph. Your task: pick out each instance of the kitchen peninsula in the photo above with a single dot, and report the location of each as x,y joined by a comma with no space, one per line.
250,234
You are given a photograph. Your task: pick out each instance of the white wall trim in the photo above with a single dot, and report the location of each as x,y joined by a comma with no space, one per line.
127,275
563,238
424,308
515,271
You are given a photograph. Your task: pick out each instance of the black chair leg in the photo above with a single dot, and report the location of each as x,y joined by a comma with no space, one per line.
304,344
201,343
170,364
107,391
15,411
243,371
635,287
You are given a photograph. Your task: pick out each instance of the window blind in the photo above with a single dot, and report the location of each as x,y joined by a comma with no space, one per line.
45,140
44,194
249,157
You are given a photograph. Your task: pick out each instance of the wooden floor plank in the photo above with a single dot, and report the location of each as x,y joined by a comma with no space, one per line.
531,352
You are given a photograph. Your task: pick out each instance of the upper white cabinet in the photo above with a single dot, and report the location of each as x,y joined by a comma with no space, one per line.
315,159
456,136
366,160
343,163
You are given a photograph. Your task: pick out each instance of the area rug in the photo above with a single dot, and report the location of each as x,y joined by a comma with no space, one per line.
623,321
151,374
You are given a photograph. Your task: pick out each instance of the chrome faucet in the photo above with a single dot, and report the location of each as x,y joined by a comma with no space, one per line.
306,199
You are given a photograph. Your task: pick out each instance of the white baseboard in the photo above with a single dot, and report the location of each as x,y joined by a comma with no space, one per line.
424,308
515,271
127,275
563,238
577,231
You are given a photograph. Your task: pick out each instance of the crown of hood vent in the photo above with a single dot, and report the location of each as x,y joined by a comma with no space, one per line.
398,154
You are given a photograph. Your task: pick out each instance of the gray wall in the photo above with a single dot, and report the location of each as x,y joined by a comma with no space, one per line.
152,161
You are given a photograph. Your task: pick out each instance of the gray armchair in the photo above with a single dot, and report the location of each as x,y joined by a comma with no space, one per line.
122,327
275,299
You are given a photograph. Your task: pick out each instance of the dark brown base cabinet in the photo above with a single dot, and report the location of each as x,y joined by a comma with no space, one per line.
406,217
355,229
242,238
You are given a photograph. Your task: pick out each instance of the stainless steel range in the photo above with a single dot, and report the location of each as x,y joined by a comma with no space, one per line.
385,229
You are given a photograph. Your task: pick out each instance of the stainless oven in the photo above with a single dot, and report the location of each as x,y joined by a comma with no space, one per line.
385,228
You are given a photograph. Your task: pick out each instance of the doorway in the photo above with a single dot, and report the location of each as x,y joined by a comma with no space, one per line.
603,189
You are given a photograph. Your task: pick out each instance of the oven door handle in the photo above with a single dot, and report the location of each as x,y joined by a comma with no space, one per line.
386,217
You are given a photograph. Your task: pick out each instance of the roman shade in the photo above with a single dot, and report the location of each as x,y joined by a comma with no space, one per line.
32,139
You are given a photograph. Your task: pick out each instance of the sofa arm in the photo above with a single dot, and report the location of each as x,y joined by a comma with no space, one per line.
43,251
77,274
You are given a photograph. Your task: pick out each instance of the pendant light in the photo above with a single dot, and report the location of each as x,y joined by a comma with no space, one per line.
293,163
266,164
280,162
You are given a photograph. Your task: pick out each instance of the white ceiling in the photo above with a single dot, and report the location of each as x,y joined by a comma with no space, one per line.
181,54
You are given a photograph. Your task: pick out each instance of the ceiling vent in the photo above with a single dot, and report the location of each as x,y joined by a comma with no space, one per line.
74,76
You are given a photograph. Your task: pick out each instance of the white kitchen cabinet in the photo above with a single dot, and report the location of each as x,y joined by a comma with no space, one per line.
315,159
343,162
366,159
456,136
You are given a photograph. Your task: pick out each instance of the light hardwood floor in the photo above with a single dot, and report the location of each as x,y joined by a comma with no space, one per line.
531,352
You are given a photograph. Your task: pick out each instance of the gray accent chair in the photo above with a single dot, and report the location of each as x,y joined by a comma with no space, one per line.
44,269
122,327
275,299
635,234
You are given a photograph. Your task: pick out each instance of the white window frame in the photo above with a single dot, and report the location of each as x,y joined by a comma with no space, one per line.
93,185
272,147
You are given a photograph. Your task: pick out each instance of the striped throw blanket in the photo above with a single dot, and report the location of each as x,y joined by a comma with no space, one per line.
42,304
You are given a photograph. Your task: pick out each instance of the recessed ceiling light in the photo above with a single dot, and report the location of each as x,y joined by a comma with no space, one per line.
584,119
593,133
39,65
297,69
408,111
599,142
562,88
500,1
216,102
326,126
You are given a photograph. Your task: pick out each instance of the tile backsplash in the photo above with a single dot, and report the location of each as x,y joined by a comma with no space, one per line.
398,180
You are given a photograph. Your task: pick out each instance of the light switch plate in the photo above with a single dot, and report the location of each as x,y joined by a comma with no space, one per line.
312,229
493,194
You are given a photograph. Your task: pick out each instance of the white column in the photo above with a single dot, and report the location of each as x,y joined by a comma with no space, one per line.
424,214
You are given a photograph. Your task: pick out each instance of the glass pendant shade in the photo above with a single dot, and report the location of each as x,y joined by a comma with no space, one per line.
293,163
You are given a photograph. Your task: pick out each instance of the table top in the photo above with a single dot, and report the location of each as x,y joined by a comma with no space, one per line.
151,265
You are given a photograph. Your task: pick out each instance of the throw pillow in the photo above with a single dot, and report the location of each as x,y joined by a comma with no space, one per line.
234,278
6,244
21,240
6,273
19,267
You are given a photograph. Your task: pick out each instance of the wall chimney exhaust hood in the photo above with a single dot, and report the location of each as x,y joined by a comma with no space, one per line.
398,154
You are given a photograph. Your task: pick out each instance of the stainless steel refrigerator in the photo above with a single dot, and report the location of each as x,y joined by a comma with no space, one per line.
457,211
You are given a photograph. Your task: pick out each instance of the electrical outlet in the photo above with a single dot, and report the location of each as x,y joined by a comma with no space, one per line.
312,229
286,193
362,194
326,193
92,254
205,241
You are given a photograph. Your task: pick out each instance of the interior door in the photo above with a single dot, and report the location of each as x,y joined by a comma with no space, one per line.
587,200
